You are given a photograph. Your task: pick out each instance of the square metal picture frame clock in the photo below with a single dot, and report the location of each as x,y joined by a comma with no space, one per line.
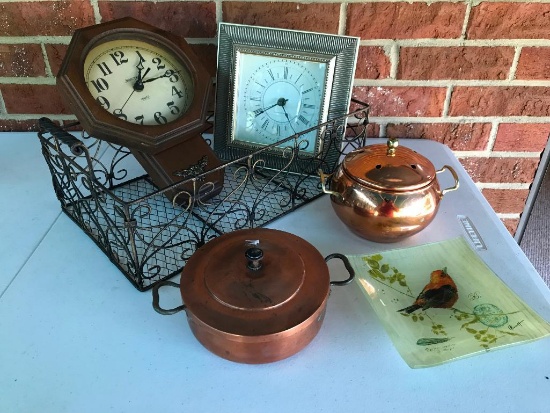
283,93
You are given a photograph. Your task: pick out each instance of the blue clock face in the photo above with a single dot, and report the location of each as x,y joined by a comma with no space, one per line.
277,97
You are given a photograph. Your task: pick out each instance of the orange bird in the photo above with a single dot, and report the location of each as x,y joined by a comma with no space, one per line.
440,292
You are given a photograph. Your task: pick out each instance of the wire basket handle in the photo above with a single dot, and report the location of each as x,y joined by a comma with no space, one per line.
76,146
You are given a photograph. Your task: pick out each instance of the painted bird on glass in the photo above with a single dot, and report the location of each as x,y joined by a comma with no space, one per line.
440,292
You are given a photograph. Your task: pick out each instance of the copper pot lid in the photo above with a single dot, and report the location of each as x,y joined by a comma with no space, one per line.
255,282
389,167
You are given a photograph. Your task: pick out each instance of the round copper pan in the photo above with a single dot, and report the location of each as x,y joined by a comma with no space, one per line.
255,295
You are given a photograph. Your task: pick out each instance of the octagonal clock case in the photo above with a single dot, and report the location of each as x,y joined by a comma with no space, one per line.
138,86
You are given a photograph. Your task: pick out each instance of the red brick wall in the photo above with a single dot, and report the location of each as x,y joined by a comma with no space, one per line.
473,75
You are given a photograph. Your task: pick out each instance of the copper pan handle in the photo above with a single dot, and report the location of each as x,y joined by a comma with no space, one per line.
455,176
156,304
348,266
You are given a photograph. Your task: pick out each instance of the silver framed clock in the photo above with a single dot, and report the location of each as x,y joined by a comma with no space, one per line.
273,84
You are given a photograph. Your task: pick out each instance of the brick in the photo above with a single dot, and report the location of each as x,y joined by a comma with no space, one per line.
457,136
55,53
48,18
427,63
534,63
500,101
372,131
402,101
514,20
10,125
21,60
501,170
316,17
400,20
506,201
511,225
522,137
32,99
372,63
185,19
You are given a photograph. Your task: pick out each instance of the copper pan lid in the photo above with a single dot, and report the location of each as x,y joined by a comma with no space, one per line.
255,282
389,167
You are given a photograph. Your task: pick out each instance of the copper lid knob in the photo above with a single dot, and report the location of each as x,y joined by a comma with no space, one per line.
254,256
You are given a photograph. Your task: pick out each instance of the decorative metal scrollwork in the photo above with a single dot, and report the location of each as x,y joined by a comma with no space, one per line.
150,238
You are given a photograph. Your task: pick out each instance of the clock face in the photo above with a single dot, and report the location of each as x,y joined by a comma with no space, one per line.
138,82
277,97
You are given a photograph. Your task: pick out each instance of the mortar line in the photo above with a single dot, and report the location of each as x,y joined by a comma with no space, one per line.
515,61
447,103
493,135
342,22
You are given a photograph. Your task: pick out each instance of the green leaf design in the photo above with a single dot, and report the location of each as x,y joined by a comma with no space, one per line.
428,341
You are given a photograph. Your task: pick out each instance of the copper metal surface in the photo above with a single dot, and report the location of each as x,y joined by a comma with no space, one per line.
384,193
255,307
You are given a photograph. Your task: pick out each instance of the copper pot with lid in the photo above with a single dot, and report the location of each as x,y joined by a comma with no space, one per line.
385,193
255,295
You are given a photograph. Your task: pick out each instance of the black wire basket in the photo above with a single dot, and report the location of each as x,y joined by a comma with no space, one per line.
103,189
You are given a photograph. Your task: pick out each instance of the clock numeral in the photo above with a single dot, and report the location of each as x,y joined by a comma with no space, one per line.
255,98
265,124
118,113
258,112
100,84
172,74
104,68
271,74
141,59
102,100
118,57
307,91
306,106
176,92
303,120
285,73
161,120
158,62
174,110
279,130
139,119
262,86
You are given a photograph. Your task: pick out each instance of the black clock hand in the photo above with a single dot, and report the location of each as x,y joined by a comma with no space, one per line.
288,118
280,102
138,85
258,112
127,100
168,73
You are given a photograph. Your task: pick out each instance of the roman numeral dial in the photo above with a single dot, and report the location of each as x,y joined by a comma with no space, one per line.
279,97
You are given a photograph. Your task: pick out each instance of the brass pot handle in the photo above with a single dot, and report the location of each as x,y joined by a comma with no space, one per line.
348,266
156,304
455,176
324,177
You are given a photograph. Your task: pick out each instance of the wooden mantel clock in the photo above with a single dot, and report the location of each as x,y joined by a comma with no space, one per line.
138,86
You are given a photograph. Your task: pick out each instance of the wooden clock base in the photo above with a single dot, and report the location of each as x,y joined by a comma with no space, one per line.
181,162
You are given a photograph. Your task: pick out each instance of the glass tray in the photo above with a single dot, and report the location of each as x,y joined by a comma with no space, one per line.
468,310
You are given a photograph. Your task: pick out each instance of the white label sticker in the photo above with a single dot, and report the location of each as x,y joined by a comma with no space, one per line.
472,232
